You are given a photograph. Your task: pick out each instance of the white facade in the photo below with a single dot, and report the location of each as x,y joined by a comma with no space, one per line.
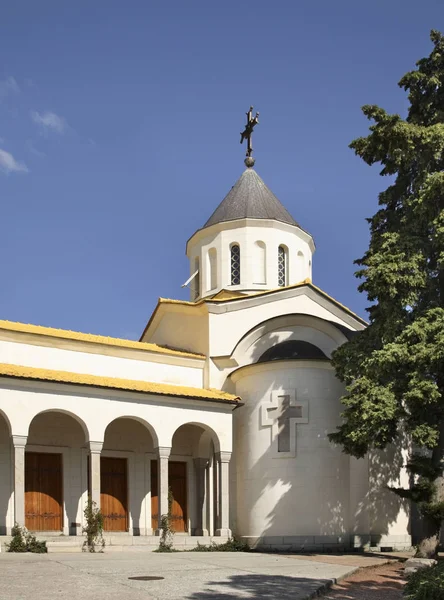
259,240
242,411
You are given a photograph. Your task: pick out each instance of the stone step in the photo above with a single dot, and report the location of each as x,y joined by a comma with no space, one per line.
120,542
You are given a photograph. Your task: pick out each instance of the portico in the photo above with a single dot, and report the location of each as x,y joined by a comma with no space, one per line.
128,460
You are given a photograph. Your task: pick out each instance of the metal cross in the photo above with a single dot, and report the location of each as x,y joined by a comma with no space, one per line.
247,133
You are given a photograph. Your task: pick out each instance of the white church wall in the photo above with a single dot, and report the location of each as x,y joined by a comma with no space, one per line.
129,425
21,401
227,328
178,328
99,364
6,488
296,501
259,240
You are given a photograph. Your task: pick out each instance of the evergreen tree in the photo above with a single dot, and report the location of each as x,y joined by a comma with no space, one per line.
394,370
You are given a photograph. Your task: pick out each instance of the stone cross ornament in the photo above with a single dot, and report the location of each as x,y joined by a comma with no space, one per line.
247,133
282,414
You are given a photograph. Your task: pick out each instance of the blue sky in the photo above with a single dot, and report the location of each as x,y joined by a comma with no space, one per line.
119,135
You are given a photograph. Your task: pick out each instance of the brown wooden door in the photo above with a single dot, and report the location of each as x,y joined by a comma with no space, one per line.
113,493
177,479
43,492
177,482
154,496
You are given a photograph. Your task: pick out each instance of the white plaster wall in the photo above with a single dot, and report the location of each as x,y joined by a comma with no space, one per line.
22,401
6,487
226,328
98,364
246,233
179,329
305,495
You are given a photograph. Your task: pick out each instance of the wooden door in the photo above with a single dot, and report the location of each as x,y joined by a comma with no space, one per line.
177,480
114,493
154,497
177,483
43,492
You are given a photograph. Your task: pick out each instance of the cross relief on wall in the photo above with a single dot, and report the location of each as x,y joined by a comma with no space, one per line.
282,414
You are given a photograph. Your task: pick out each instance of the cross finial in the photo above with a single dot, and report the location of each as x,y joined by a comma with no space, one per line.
247,133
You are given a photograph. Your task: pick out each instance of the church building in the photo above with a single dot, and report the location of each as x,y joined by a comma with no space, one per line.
221,410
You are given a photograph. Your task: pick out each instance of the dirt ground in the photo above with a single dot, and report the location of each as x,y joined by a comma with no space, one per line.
383,582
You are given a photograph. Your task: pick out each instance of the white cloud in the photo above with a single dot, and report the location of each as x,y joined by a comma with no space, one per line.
8,164
8,86
49,121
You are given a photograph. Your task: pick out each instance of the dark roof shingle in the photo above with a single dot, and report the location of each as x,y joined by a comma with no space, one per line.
250,198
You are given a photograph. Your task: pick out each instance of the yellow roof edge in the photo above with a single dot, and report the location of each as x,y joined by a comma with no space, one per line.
93,338
306,281
148,387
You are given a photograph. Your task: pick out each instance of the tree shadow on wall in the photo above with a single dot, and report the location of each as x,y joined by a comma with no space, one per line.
343,509
260,586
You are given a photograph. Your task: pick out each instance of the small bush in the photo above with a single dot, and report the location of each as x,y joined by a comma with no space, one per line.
426,584
166,535
24,541
232,545
93,528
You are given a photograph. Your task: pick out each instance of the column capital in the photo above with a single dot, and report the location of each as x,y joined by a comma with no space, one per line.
19,441
163,451
95,447
223,457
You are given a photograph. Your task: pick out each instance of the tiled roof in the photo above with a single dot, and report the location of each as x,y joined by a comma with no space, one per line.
148,387
95,339
250,198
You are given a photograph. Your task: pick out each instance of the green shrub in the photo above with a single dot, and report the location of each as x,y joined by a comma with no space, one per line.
93,527
426,584
24,541
232,545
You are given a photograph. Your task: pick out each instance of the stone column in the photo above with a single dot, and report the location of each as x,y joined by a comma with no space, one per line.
200,473
19,443
223,459
95,449
163,454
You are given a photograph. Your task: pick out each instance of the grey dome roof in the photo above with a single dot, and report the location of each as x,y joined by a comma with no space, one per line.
250,198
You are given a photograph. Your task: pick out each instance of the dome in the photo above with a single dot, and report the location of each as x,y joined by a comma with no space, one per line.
250,198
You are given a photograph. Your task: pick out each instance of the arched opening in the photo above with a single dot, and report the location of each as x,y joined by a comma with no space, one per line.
282,266
6,486
235,264
192,477
212,269
55,477
259,263
125,481
292,350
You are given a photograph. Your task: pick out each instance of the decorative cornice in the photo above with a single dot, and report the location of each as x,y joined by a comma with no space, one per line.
223,457
95,447
163,451
19,441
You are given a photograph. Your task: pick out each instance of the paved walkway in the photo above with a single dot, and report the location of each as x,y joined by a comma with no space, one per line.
192,576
